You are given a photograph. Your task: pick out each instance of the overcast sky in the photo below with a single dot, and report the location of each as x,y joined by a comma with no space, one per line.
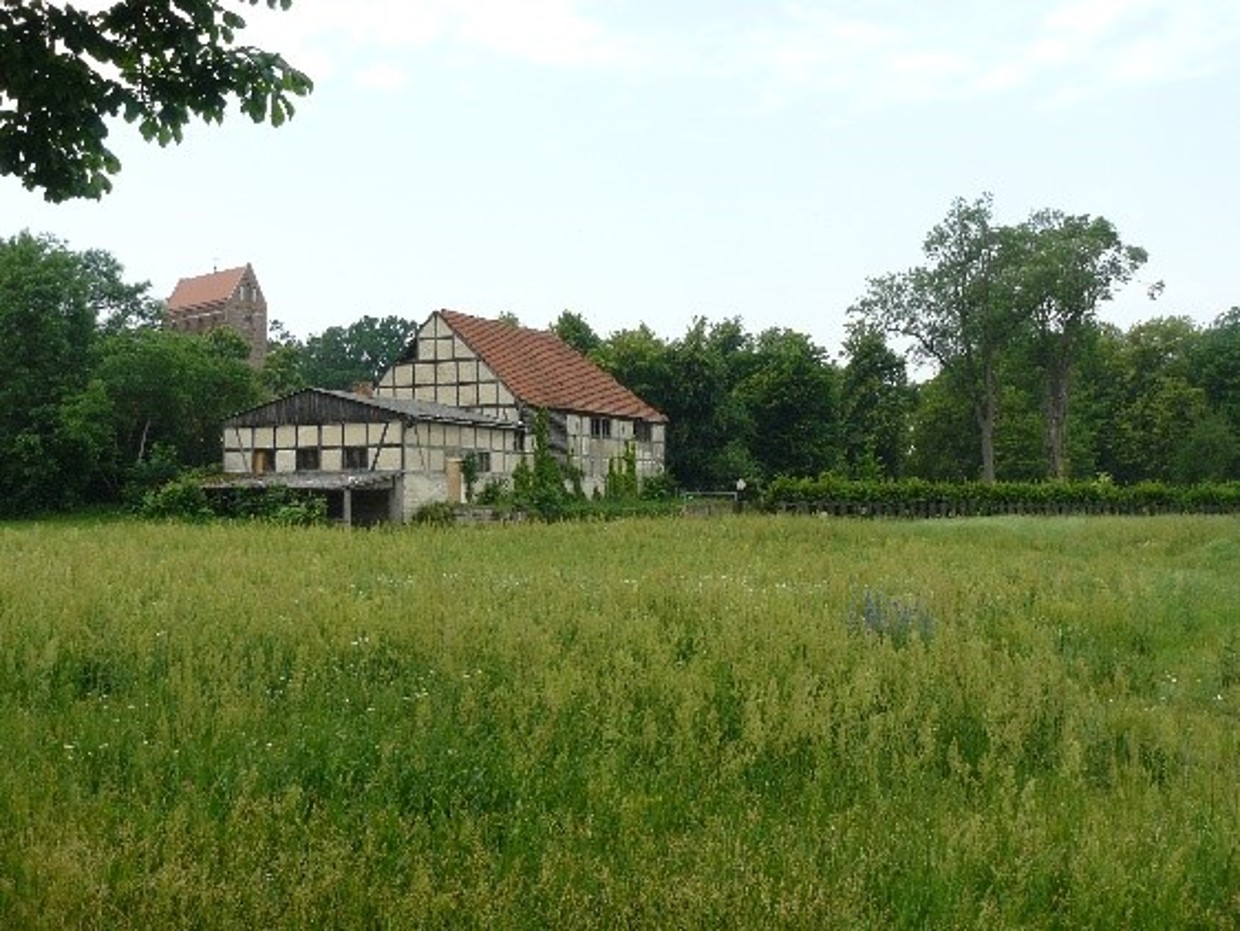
656,160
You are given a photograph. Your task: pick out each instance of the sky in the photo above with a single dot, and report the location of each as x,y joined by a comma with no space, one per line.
653,161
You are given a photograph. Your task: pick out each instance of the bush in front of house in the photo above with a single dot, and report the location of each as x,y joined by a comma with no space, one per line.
435,514
183,498
180,499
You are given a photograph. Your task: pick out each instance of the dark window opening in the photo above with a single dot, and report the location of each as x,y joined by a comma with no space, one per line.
308,460
600,427
483,461
356,457
263,460
642,431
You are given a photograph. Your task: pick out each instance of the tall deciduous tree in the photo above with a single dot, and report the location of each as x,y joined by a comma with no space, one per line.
1066,266
1216,364
47,325
341,357
159,63
640,361
955,310
573,329
710,431
791,401
876,401
172,389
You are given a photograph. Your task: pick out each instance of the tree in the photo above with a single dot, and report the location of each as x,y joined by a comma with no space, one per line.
943,443
169,390
540,487
1067,265
640,361
159,63
875,403
1154,403
709,434
791,402
573,329
341,357
955,310
47,327
1215,362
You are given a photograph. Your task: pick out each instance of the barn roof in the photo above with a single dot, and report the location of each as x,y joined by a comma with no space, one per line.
320,405
542,370
205,290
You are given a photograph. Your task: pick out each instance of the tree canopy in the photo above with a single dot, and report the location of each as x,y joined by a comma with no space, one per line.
993,304
98,402
157,63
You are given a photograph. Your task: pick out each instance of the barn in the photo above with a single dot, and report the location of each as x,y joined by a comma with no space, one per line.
511,372
464,387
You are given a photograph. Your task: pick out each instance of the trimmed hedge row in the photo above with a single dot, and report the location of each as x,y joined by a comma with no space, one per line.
919,498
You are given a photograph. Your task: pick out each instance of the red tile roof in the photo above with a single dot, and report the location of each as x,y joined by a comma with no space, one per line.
205,290
542,370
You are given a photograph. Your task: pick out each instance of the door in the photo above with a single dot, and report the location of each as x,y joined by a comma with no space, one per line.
456,494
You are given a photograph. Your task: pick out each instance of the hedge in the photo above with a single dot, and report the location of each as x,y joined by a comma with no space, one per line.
918,498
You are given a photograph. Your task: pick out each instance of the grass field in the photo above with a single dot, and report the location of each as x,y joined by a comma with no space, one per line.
745,722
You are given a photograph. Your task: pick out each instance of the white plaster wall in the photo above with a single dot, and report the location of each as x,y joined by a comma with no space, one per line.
422,488
389,459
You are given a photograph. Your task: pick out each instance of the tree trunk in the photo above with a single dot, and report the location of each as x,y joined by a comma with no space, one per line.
146,428
1056,430
1057,416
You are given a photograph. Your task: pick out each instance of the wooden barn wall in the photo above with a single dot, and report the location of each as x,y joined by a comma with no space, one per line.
307,408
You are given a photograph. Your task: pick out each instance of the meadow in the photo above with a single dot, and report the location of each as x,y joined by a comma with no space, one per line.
740,722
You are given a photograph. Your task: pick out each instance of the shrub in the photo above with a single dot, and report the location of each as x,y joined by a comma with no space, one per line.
160,467
182,499
437,514
494,492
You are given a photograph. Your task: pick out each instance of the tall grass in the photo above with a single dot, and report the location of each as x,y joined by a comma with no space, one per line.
742,722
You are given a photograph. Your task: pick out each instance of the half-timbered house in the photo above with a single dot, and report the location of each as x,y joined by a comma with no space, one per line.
374,459
510,372
464,387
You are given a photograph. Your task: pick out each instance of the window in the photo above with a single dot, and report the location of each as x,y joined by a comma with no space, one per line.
642,432
308,459
600,427
483,461
356,457
263,460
